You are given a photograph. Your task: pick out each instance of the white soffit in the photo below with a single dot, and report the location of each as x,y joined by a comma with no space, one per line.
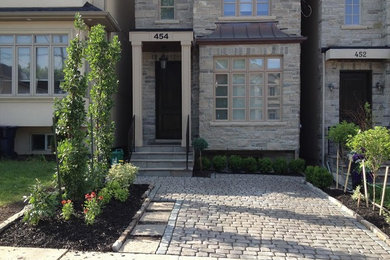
358,54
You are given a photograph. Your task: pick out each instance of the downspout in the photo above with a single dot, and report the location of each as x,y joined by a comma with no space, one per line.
323,111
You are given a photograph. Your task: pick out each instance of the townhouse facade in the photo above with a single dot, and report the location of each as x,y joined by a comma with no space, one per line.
346,63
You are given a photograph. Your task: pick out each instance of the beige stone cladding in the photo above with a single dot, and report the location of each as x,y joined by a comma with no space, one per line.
380,100
147,15
370,31
287,13
263,135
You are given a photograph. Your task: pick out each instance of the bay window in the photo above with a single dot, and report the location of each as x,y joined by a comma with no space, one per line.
32,65
247,89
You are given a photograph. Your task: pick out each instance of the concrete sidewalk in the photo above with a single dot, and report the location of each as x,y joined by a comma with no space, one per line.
244,217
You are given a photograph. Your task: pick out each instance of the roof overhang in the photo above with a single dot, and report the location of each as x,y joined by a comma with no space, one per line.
248,33
357,53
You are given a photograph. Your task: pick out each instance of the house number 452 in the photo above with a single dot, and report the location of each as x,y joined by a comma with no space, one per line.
161,36
361,54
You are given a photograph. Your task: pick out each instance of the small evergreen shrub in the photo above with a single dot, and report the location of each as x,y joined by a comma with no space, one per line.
206,163
249,164
297,166
280,166
265,165
319,176
235,163
219,163
124,174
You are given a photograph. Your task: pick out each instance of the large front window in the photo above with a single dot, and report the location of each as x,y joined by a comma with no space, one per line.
352,12
32,64
247,88
245,7
167,9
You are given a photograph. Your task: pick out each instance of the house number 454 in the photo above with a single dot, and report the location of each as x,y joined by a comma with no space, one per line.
161,36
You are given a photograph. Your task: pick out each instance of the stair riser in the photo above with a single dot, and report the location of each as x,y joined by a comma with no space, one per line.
160,149
136,156
161,164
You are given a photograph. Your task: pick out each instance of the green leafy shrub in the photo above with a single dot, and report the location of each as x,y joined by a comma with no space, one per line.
297,166
199,145
124,174
67,209
106,195
235,163
92,207
219,162
341,132
249,164
42,203
265,165
280,166
319,176
118,192
206,163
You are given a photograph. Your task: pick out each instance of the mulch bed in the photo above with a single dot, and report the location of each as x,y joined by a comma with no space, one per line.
367,213
10,209
75,234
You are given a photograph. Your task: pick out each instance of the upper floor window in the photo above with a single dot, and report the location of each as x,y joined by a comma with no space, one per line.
352,12
32,64
167,9
246,7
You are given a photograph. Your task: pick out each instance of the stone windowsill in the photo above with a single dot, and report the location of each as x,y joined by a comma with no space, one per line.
354,27
166,21
246,18
248,124
28,98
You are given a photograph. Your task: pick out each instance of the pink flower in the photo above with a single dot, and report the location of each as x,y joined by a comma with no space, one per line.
63,202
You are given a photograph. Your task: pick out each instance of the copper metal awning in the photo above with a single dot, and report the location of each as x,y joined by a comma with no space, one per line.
248,32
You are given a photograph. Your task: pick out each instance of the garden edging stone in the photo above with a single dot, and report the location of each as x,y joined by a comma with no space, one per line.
11,219
353,214
148,195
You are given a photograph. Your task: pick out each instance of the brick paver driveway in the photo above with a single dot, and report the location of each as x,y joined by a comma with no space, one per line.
261,217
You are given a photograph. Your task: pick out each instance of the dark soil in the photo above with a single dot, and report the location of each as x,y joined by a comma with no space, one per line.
9,210
368,214
75,234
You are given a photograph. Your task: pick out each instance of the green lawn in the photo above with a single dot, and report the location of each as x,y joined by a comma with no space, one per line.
16,178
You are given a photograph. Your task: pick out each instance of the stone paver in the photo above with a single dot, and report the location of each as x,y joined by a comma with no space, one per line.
156,216
143,246
24,253
160,206
150,230
260,217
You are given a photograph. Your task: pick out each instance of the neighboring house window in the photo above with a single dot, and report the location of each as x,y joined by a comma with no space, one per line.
246,7
352,12
38,61
41,142
167,9
247,88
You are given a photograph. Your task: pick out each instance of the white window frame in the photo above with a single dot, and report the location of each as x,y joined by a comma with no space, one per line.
254,8
46,145
248,72
168,7
352,14
33,58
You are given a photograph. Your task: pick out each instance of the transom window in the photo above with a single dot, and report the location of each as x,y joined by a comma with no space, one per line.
247,88
167,9
352,12
246,7
32,64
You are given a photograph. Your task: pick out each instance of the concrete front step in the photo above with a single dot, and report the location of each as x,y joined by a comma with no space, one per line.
165,172
160,148
160,155
159,163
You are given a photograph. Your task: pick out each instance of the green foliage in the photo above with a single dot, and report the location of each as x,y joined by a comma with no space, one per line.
92,207
219,162
206,163
102,57
265,165
357,195
67,209
117,191
235,163
318,176
106,195
280,166
249,164
341,132
42,203
70,115
200,144
297,166
124,174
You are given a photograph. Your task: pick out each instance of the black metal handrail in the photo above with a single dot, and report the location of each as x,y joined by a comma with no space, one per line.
131,137
187,140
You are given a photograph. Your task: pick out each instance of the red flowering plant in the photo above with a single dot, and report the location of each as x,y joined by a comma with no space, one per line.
67,209
92,207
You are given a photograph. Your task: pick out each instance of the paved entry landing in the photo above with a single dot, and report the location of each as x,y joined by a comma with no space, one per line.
260,217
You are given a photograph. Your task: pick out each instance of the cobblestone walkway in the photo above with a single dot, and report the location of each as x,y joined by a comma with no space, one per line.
261,217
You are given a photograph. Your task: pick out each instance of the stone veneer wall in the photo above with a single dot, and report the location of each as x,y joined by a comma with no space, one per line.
147,15
281,135
287,13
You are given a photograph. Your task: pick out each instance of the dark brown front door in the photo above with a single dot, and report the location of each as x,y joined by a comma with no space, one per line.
168,100
355,91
